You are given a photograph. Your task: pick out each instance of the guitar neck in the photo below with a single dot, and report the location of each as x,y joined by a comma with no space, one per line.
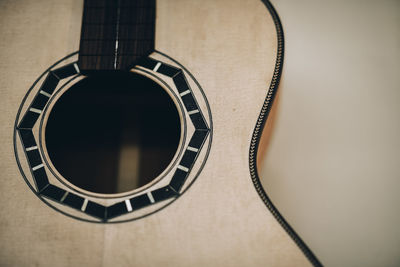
116,34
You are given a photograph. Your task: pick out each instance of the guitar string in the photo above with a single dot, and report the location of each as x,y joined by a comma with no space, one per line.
117,34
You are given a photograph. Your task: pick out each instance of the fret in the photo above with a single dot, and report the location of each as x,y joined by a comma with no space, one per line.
106,47
100,16
107,32
141,32
90,32
122,3
115,34
128,15
137,15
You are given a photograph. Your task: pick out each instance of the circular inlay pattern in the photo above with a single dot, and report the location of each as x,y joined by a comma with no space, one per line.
38,171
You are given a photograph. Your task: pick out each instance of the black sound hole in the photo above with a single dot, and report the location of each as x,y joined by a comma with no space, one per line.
112,134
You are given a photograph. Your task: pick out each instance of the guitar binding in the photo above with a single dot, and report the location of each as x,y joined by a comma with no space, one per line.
255,140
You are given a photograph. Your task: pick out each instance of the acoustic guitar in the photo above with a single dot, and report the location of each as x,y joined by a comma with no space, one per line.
130,134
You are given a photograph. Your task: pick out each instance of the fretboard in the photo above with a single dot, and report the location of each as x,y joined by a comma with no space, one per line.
115,34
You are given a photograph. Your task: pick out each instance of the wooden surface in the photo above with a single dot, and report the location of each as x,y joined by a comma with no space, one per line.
220,221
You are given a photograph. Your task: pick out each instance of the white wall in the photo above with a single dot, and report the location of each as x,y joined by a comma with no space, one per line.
333,165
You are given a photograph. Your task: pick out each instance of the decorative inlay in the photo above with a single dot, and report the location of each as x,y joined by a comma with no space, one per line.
51,189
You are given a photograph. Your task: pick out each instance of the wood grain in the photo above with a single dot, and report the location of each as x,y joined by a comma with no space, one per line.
230,47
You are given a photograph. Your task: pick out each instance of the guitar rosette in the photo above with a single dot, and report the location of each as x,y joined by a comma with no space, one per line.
53,189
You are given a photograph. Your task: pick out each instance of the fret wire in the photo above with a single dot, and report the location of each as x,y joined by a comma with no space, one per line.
139,7
95,55
123,39
111,24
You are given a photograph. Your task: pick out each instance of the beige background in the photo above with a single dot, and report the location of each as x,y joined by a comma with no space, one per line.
333,164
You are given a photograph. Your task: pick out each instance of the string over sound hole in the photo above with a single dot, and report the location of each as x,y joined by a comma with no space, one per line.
112,134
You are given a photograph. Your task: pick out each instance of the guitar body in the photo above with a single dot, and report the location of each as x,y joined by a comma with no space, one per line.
231,48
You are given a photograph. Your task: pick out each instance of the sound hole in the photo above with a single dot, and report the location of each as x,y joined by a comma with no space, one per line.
113,134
